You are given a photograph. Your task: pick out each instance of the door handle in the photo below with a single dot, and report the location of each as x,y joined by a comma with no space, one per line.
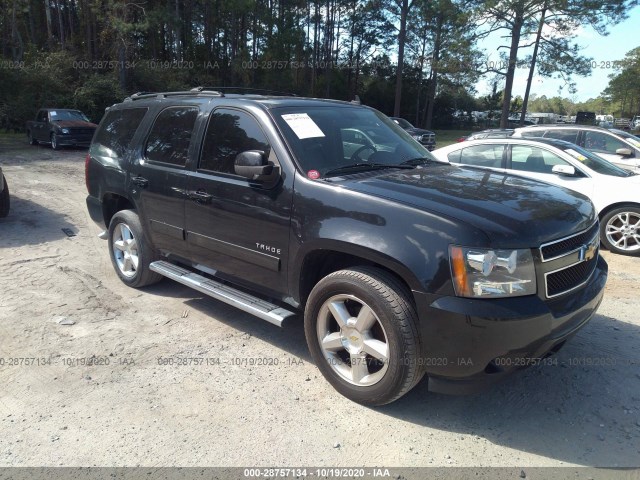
140,181
200,196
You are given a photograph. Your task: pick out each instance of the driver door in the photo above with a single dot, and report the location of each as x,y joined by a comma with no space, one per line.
235,226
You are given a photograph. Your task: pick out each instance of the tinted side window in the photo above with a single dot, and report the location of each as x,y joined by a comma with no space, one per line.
602,142
116,131
570,136
169,139
229,133
483,156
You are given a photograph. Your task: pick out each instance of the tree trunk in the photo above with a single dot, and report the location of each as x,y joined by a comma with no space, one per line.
511,68
47,11
433,79
404,10
532,67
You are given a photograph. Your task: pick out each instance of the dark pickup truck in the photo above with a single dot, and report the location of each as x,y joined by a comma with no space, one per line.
400,265
60,127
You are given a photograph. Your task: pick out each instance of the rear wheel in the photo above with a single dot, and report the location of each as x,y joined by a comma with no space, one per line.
129,250
620,230
5,201
361,330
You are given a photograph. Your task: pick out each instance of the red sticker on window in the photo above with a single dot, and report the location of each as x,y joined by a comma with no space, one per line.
313,174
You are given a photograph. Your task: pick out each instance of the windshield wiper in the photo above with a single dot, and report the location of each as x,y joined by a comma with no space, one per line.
364,166
414,162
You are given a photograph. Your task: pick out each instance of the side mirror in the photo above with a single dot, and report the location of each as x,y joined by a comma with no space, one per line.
625,152
252,164
564,170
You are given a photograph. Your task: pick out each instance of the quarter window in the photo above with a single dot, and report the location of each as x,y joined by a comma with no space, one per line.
170,136
229,133
116,131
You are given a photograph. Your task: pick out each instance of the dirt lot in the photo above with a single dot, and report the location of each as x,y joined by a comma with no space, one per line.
131,409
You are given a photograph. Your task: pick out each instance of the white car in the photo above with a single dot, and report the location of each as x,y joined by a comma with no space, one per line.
622,149
614,191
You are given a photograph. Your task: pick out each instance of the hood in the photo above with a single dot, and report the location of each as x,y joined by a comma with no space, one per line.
418,131
74,124
514,212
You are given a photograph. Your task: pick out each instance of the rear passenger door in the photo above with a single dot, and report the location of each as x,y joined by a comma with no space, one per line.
157,177
238,227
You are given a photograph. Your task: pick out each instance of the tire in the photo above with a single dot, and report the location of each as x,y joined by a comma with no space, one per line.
620,230
32,141
130,251
54,142
388,329
5,200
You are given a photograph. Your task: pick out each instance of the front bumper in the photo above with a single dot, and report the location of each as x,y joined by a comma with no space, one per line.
74,140
472,343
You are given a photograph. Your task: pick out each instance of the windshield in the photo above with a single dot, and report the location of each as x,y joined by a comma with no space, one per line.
403,123
326,138
68,115
596,163
634,139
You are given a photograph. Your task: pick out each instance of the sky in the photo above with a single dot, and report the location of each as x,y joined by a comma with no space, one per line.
603,49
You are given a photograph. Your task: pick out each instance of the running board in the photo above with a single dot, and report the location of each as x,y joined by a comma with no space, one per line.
244,301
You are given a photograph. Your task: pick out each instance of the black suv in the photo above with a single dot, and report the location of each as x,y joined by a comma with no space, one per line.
400,265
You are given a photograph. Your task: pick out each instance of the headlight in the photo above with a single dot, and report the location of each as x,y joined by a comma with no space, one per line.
65,131
482,273
417,137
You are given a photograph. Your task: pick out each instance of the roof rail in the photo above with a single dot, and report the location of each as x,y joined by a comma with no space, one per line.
143,95
244,91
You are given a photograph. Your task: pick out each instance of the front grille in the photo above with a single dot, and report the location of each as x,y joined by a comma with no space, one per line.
428,138
81,131
567,245
570,278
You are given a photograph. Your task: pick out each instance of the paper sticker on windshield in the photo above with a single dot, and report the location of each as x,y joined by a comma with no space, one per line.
53,113
575,154
302,125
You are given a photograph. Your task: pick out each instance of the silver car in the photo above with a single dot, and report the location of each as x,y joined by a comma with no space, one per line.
621,149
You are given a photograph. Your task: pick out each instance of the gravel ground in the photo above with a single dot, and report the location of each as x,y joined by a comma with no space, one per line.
135,405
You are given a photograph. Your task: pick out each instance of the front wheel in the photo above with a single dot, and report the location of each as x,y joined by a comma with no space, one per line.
620,230
32,141
129,250
360,326
5,200
55,143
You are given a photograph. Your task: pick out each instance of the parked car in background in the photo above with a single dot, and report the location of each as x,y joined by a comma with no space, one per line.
5,201
491,133
586,118
60,127
613,190
425,137
618,148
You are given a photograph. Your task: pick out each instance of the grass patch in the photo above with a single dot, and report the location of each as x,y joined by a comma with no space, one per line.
448,137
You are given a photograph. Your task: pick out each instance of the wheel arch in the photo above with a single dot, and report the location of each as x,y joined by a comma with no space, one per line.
320,262
615,206
112,203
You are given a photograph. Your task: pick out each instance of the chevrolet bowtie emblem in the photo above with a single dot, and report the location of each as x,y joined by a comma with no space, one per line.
588,251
